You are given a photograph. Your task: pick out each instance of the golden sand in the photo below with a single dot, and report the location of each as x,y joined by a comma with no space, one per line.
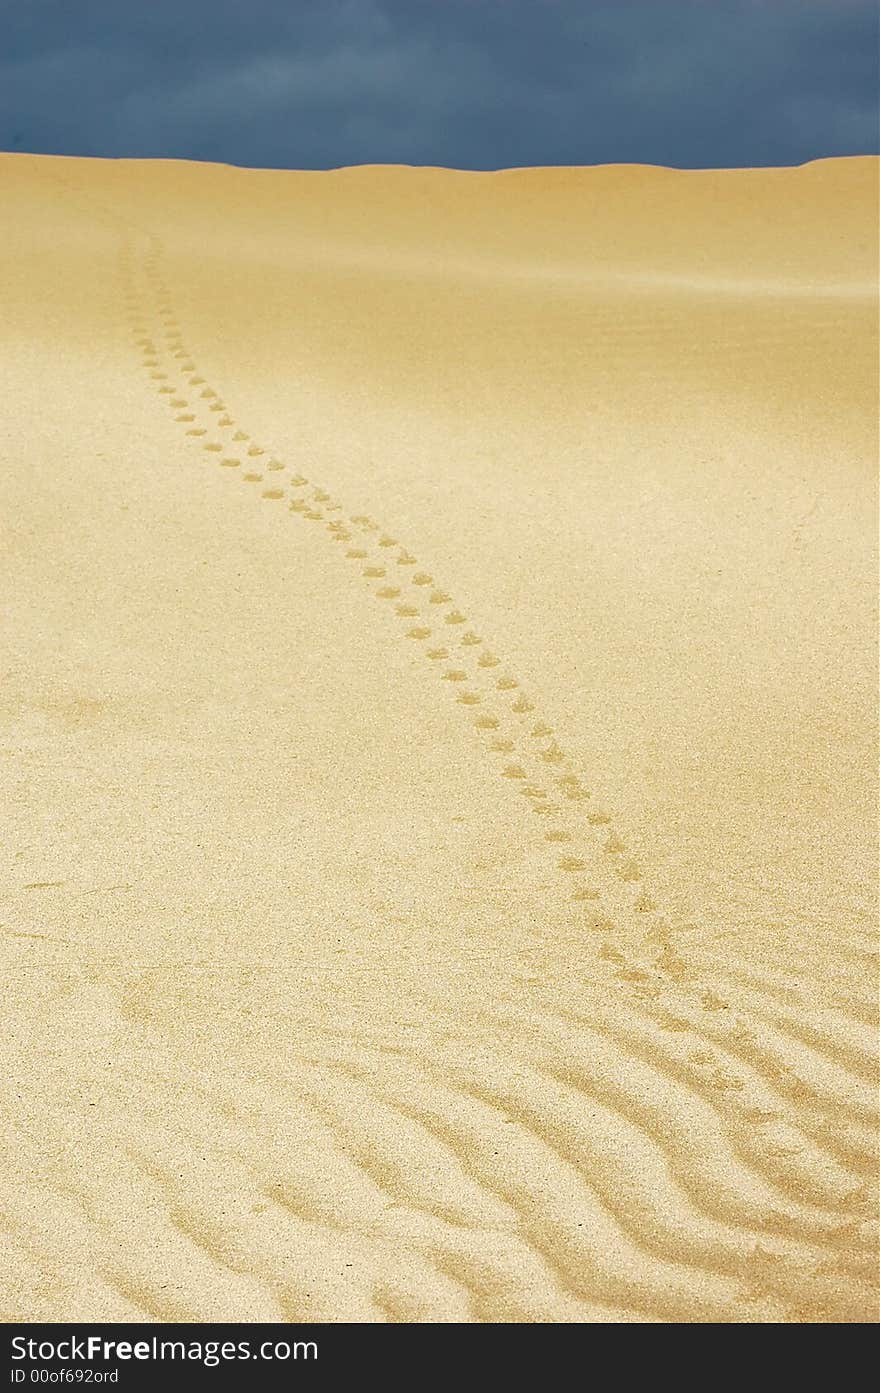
438,729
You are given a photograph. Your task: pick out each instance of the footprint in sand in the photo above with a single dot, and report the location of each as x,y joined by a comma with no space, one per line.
629,871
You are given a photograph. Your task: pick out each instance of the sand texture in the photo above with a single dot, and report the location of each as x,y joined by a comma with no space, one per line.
438,724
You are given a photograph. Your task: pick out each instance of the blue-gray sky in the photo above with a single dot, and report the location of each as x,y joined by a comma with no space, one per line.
478,84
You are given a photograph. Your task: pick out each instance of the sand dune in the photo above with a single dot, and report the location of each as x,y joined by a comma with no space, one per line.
439,734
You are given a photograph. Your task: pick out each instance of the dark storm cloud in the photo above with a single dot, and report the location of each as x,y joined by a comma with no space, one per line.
473,83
